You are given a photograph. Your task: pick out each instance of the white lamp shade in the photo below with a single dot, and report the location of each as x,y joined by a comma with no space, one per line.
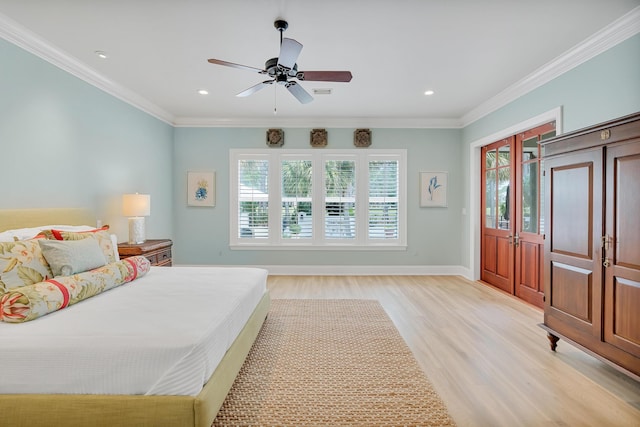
136,205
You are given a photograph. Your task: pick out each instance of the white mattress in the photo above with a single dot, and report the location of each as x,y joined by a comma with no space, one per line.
162,334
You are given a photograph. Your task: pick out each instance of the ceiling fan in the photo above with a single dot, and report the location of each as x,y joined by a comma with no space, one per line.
284,68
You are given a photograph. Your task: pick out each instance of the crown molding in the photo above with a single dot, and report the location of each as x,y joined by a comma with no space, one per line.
29,41
618,31
309,122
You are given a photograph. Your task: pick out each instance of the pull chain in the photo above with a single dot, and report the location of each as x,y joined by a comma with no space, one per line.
275,99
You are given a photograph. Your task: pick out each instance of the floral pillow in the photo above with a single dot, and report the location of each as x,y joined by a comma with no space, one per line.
29,233
22,264
100,234
33,301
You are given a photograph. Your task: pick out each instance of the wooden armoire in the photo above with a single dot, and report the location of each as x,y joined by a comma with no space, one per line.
592,247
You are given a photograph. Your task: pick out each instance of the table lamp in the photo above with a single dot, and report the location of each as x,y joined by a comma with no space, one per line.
136,207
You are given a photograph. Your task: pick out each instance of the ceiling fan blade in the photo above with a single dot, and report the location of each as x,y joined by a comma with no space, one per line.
289,51
299,92
255,88
232,65
325,76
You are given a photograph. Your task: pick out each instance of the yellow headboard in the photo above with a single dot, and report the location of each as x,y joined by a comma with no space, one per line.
24,218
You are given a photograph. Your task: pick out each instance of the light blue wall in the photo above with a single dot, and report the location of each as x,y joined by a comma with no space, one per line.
202,234
604,88
65,143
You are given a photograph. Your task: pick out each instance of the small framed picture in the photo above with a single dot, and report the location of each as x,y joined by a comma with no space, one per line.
433,189
201,189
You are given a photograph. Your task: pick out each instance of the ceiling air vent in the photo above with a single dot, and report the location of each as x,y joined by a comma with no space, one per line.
322,91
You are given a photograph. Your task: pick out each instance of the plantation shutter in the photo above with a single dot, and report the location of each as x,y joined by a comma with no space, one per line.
322,199
253,199
340,200
297,207
383,199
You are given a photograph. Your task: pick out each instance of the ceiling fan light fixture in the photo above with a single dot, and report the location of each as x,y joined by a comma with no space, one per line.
283,70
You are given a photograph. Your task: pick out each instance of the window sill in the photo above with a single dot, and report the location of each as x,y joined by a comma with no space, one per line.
303,247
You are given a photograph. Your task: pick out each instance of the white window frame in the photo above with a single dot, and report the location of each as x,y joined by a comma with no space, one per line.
275,240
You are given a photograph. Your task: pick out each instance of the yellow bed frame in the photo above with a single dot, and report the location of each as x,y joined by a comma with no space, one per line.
73,410
25,218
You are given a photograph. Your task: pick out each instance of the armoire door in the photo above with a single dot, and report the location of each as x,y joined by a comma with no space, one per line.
573,261
621,248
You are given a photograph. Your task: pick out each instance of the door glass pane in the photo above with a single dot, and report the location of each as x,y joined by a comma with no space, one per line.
490,159
546,136
296,199
542,184
529,214
504,155
530,149
541,189
490,199
504,198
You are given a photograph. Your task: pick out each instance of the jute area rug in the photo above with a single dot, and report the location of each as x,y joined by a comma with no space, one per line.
331,363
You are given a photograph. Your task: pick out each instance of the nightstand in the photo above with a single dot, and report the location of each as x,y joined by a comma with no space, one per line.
158,251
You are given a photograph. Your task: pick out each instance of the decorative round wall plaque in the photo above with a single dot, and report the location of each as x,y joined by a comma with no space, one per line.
319,138
362,137
275,137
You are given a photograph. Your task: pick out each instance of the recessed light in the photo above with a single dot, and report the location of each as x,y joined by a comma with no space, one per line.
101,54
429,92
203,92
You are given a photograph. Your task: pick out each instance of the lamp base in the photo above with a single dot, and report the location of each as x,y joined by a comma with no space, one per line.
136,230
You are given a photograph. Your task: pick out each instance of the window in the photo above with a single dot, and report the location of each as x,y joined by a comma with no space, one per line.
318,199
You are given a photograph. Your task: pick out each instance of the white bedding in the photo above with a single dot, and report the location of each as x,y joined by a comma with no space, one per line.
162,334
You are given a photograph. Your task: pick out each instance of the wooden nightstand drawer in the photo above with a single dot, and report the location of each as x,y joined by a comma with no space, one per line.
153,259
164,257
158,252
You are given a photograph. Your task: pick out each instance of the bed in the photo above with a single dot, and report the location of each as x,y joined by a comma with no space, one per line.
153,367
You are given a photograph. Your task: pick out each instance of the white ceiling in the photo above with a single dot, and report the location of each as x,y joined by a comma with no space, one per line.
472,53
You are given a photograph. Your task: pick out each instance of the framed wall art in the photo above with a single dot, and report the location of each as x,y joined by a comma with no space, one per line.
433,189
201,189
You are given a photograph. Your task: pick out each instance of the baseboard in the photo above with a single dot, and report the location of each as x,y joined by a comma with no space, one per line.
362,270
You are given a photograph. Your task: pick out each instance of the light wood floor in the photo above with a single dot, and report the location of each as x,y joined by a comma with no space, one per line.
484,353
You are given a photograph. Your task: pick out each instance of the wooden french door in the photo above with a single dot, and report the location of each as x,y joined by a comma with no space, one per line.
512,243
497,227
